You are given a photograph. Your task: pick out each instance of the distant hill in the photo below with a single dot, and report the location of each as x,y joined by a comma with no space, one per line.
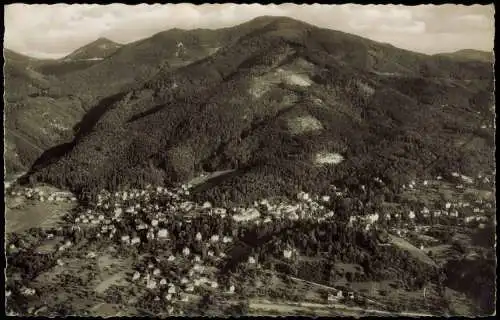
470,54
97,50
274,102
37,116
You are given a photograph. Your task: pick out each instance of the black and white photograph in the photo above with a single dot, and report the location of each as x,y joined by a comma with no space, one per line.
226,160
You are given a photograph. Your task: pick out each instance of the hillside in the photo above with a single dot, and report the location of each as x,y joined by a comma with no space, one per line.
273,103
37,116
67,89
470,54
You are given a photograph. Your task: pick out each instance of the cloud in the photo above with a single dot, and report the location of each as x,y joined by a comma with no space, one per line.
56,30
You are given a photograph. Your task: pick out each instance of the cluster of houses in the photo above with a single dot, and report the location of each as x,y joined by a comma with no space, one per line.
340,295
160,204
39,195
148,211
198,276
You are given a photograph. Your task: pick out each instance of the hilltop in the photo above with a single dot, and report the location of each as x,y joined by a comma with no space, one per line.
96,50
274,104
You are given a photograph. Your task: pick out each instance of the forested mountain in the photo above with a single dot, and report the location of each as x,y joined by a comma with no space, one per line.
271,98
469,54
45,99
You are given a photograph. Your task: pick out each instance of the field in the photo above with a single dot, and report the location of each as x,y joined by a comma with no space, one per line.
416,252
21,215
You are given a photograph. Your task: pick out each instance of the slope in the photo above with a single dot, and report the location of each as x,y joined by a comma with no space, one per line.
77,80
179,123
36,115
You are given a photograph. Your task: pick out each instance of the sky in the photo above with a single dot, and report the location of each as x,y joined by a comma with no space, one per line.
53,31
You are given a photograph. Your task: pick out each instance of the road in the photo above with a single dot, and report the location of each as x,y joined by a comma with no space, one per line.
270,305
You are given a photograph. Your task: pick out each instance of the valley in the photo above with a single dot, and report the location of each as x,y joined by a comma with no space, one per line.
269,168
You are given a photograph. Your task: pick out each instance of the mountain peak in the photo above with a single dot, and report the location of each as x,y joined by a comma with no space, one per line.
104,40
98,49
279,21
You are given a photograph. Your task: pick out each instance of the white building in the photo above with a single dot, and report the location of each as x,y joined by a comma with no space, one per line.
162,233
151,284
136,276
411,215
207,205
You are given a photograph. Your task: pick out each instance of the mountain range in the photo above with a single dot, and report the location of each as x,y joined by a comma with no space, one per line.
285,105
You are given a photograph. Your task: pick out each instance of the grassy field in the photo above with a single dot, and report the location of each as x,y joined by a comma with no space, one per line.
21,215
414,251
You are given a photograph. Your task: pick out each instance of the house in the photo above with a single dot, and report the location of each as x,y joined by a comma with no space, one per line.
469,219
136,276
287,254
303,196
162,233
372,218
27,291
411,215
220,211
207,205
151,284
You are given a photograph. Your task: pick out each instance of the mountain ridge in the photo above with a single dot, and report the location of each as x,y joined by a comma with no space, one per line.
188,126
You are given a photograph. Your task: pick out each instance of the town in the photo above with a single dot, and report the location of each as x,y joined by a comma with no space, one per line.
158,244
